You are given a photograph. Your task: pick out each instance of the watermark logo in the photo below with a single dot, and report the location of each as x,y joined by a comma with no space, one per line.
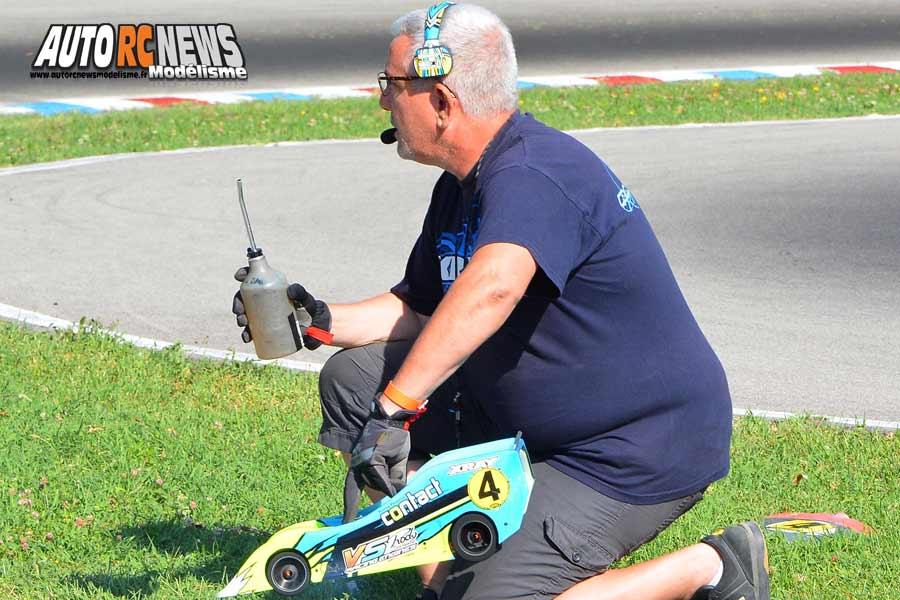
174,52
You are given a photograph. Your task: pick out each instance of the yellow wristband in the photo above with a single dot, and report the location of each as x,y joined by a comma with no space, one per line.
399,398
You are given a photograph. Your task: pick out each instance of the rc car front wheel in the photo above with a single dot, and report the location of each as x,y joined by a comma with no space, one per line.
288,572
473,537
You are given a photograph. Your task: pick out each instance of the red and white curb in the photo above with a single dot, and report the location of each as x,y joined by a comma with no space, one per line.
108,103
34,320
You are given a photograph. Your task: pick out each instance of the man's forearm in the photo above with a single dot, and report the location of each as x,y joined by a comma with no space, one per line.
379,319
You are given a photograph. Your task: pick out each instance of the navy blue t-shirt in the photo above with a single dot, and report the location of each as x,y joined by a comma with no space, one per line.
601,365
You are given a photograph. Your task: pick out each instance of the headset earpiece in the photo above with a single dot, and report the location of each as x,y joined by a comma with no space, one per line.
432,59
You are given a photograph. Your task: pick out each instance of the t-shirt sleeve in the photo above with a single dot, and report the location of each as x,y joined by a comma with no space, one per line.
522,206
420,287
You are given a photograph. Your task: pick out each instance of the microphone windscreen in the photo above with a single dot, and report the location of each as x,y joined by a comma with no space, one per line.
389,136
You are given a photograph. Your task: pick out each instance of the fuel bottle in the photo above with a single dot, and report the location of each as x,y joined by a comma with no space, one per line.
270,313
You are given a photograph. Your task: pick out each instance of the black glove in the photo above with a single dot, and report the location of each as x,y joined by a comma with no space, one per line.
314,335
379,457
319,329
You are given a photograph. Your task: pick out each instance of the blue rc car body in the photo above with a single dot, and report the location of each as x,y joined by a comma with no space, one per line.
460,504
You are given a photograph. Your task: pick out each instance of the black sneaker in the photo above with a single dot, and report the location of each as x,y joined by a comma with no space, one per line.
427,594
745,575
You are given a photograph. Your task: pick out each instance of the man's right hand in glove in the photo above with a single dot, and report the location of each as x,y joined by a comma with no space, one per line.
314,335
379,457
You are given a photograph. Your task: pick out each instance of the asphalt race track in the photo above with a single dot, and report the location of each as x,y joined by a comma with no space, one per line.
784,237
344,42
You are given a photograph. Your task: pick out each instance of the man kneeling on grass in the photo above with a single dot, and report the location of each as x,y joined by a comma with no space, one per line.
536,299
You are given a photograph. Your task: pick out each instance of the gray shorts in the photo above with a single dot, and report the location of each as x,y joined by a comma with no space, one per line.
570,531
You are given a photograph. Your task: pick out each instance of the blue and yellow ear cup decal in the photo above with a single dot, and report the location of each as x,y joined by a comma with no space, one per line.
432,59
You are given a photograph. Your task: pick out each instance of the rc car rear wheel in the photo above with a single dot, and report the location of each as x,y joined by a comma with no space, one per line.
473,537
288,572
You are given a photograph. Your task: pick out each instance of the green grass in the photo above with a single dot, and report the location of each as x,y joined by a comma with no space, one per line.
155,475
29,139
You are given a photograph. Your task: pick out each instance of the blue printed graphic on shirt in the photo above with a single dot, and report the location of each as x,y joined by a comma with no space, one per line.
454,251
625,197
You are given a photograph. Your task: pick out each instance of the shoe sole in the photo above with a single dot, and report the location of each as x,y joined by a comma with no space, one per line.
760,575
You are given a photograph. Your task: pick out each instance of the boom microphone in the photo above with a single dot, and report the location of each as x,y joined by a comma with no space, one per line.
389,136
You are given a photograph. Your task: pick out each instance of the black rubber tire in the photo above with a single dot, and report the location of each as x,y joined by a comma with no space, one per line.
288,572
473,537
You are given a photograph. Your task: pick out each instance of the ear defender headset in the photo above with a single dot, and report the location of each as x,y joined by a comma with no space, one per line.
432,59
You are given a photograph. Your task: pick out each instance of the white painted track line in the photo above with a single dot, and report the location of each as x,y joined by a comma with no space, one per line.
33,320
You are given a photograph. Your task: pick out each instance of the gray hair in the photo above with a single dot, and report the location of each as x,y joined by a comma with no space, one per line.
484,73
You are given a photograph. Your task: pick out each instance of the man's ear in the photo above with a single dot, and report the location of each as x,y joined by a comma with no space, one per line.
445,104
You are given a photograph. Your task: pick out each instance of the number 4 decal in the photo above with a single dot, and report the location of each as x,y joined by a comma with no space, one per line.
488,488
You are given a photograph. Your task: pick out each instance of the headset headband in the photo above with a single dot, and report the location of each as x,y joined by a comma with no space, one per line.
432,59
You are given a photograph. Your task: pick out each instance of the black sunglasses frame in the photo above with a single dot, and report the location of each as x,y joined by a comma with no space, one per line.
384,80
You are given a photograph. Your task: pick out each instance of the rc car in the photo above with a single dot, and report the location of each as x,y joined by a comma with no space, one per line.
460,504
